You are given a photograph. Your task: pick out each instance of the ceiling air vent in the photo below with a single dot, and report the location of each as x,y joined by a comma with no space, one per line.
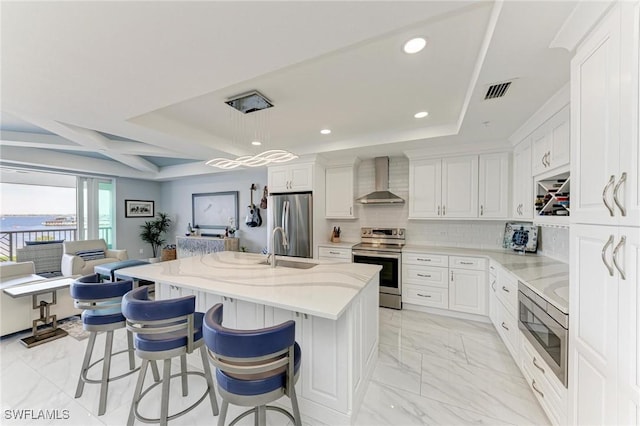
497,90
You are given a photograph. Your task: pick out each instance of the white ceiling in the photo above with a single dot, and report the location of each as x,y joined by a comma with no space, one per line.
137,89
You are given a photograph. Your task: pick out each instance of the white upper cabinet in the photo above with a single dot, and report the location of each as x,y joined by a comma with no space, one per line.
605,154
522,181
425,188
339,186
493,192
460,186
551,143
290,178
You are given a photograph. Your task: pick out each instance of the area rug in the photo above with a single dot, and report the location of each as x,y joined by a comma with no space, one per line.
73,326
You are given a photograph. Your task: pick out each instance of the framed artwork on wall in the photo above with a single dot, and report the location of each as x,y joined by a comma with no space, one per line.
139,208
215,210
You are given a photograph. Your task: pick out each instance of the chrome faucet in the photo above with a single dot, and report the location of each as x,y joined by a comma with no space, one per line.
285,243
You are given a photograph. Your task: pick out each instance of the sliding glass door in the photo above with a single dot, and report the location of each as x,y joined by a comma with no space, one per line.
96,213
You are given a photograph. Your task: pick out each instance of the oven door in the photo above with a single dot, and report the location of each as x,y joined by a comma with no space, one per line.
545,334
390,281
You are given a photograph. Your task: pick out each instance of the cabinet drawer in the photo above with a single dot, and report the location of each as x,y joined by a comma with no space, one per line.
475,263
426,296
507,327
425,259
507,291
541,370
425,275
338,253
493,269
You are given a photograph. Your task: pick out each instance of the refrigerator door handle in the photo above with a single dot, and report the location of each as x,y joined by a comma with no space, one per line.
285,221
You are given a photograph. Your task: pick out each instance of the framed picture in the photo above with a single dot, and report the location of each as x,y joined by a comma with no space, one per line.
215,210
139,208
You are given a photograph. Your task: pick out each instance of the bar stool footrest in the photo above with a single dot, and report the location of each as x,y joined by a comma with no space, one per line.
111,379
267,407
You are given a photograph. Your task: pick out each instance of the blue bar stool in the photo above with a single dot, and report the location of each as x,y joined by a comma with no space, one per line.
253,367
102,312
165,329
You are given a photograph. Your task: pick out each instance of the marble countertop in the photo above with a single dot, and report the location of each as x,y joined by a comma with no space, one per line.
325,290
547,277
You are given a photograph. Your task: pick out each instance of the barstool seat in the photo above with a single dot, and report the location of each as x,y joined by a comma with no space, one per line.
102,313
254,367
165,329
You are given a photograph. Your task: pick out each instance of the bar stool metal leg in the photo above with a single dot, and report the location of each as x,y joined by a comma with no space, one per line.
155,371
85,363
223,413
209,377
138,390
106,366
166,383
296,409
183,374
132,359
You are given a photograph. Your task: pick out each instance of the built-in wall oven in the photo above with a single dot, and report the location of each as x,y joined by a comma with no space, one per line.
546,328
383,246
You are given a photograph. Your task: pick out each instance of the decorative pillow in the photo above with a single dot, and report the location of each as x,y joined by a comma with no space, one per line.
92,254
39,243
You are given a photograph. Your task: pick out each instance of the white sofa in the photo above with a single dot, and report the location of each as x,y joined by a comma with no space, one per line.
17,314
72,264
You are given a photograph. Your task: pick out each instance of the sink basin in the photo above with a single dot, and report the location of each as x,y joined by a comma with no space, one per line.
293,264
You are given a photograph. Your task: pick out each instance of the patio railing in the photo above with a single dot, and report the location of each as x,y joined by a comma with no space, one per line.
10,241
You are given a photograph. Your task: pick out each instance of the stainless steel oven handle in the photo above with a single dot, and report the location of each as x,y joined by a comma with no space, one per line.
535,388
535,363
604,254
375,254
623,240
612,180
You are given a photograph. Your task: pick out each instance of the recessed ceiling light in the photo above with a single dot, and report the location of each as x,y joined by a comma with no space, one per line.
414,45
256,143
325,131
421,114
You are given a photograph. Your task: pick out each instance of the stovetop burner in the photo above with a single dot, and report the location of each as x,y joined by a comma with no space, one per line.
381,239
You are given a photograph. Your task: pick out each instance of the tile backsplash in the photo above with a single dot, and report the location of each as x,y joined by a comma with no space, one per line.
553,242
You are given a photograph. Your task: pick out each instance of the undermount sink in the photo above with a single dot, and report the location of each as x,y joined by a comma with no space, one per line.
292,264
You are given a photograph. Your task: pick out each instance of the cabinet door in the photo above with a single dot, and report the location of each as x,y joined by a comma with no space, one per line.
425,189
493,299
468,291
595,123
339,193
278,178
540,142
560,143
460,186
301,177
593,326
493,190
522,181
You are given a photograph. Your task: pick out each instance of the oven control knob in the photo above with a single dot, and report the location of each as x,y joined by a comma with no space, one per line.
401,232
393,232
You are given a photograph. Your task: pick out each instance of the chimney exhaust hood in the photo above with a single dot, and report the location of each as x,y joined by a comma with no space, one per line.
381,194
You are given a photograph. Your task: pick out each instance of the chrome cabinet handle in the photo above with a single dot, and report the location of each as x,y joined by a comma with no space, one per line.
504,326
548,158
466,263
604,253
506,289
481,210
423,260
423,295
424,276
535,363
493,285
612,180
350,211
535,388
438,210
334,252
623,178
542,160
451,276
443,211
623,240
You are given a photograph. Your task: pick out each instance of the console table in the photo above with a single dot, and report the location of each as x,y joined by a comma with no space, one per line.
34,290
197,246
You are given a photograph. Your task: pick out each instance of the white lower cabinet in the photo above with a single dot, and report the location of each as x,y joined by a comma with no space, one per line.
503,308
468,291
335,254
547,388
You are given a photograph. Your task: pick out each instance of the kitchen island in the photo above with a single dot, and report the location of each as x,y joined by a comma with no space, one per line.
335,307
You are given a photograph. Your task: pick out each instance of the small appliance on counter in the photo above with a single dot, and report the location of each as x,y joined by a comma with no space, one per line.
521,237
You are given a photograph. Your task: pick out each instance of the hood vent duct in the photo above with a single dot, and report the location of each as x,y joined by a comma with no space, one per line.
381,194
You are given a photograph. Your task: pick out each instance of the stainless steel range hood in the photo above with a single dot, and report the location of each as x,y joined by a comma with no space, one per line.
381,194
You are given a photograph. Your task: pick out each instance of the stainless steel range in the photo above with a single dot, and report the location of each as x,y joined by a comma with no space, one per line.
383,246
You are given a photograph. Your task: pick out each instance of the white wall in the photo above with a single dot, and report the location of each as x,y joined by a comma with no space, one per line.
459,233
176,200
128,228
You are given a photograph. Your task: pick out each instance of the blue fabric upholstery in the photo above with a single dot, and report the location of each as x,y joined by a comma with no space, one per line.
137,306
92,254
257,386
245,343
89,287
102,317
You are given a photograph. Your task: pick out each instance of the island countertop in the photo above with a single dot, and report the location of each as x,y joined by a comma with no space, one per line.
325,290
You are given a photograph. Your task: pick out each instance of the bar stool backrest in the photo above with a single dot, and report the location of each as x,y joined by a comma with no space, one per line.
90,294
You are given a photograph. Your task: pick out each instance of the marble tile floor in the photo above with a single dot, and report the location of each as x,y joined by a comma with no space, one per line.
431,370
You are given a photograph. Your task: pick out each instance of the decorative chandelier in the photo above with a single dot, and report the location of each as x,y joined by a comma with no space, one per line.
248,103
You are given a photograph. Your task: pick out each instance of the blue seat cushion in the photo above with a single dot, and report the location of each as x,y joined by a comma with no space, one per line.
102,316
167,341
257,386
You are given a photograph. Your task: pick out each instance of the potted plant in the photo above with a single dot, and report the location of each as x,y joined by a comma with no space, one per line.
153,231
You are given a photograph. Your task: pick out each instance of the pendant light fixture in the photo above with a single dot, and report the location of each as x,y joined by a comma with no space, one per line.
251,103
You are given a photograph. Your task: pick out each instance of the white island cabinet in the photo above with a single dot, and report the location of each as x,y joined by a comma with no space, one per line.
335,307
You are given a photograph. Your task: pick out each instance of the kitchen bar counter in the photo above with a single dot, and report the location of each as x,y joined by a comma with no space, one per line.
547,277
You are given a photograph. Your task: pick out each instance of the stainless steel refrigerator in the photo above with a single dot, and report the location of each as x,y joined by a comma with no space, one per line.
294,213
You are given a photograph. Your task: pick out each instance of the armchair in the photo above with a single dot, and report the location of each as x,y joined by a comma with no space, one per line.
80,257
